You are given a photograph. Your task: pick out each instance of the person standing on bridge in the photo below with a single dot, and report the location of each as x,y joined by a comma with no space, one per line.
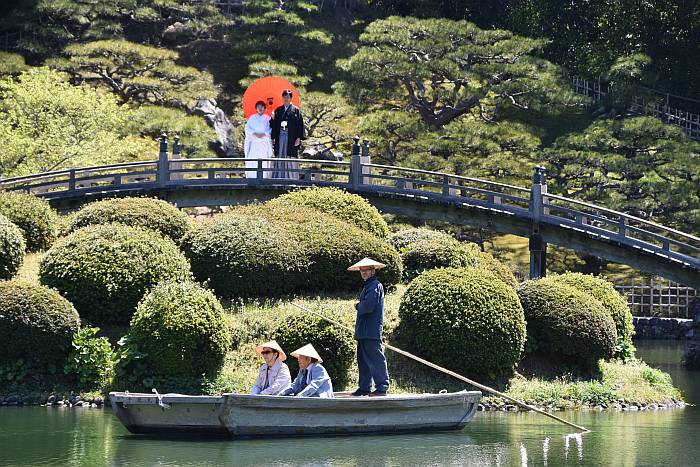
369,325
287,133
258,144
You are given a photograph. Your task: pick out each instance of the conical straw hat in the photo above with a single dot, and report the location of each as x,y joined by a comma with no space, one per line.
366,263
307,351
274,346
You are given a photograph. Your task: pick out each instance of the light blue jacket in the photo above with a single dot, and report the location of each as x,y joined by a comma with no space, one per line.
319,385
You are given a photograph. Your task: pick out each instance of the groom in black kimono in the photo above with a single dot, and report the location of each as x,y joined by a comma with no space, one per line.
291,114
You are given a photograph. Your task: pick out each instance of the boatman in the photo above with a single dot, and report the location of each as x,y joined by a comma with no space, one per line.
371,362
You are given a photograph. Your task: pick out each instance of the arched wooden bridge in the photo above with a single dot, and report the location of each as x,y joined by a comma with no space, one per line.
529,212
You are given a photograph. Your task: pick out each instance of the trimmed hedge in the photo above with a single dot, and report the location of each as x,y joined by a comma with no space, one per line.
435,253
463,319
33,215
341,204
274,249
36,324
149,213
611,299
563,320
405,239
182,330
445,251
335,346
11,248
104,270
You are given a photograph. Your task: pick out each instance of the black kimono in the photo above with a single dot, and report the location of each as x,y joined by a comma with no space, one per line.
295,129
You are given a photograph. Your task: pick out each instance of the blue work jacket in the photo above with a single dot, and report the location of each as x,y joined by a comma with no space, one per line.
370,310
319,384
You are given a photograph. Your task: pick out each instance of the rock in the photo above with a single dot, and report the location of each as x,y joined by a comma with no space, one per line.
317,151
178,33
633,408
217,119
79,404
51,400
99,401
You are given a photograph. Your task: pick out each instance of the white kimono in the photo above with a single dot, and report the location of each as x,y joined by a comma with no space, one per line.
258,148
272,381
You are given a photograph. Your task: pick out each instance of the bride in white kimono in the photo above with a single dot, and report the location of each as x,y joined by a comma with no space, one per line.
258,144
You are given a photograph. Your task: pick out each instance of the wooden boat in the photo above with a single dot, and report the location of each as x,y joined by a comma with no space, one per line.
243,415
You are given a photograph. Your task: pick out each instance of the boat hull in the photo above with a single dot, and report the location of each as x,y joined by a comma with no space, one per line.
242,415
172,414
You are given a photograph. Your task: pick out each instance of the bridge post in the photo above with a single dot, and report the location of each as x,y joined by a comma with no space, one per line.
538,256
537,244
356,164
163,172
177,154
71,179
365,158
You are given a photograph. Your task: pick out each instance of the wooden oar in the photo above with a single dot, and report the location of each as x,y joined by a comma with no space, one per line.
453,374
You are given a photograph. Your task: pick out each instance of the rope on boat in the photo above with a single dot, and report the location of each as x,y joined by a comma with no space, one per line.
453,374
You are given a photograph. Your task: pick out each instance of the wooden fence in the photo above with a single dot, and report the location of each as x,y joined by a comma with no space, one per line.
660,108
659,297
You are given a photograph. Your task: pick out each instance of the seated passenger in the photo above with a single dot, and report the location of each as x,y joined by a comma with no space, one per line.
274,375
312,380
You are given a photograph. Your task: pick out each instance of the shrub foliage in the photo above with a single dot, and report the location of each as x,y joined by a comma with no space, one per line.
11,248
33,215
612,301
408,237
36,324
463,319
274,249
444,251
181,329
563,320
335,346
148,213
104,270
346,206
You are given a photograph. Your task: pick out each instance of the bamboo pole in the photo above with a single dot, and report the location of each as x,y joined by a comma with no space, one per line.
453,374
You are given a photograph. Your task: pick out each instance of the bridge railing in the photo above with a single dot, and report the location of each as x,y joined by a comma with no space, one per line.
617,226
532,204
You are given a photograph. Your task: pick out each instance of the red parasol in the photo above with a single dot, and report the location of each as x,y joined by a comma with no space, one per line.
268,90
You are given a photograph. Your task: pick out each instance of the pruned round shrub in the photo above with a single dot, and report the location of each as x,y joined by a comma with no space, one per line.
611,299
33,215
564,321
335,346
435,253
11,248
341,204
149,213
464,319
36,324
104,270
181,329
274,249
405,239
444,252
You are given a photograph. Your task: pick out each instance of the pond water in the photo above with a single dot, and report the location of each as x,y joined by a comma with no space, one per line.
91,437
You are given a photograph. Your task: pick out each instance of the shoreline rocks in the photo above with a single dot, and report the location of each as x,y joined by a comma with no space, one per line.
501,405
68,401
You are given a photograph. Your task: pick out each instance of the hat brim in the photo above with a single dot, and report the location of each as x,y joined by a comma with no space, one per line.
271,345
